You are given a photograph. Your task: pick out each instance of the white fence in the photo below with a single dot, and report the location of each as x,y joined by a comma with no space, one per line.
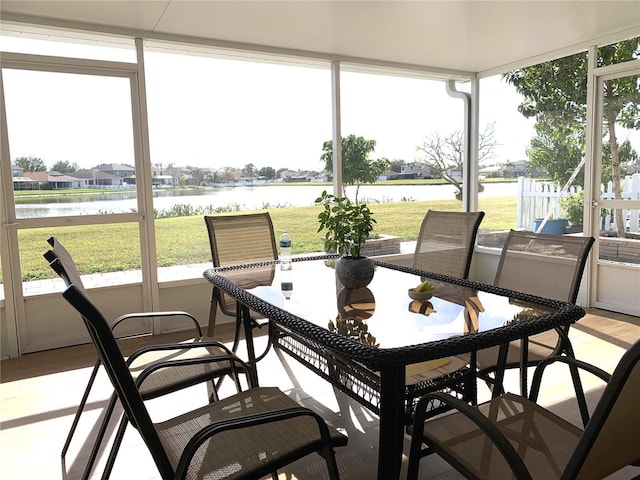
536,198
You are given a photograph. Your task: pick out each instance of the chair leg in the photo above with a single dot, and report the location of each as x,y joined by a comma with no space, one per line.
236,335
415,450
332,466
99,437
80,409
213,312
117,441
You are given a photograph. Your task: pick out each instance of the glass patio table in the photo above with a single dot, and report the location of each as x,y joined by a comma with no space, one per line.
376,344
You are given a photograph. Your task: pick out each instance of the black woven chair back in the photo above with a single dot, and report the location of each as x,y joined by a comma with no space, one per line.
446,242
549,266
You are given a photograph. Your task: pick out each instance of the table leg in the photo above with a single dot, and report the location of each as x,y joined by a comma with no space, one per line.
498,383
392,385
243,315
524,361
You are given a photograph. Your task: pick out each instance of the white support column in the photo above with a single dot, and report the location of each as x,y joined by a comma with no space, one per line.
336,131
10,265
151,294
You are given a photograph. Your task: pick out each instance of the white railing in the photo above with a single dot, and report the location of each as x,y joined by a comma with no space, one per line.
536,198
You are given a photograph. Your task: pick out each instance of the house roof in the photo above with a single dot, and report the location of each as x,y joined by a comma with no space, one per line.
456,36
115,167
49,177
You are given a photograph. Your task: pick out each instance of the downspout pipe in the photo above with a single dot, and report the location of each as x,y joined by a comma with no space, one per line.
467,170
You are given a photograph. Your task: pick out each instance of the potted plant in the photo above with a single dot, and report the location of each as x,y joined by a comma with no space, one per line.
347,226
573,208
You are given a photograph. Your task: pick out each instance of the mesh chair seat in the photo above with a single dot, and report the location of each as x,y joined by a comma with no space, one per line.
165,381
539,347
545,440
242,453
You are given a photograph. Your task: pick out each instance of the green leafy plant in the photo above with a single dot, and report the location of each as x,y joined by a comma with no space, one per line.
573,207
347,224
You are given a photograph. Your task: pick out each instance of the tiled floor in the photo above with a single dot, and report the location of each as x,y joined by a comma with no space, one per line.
39,392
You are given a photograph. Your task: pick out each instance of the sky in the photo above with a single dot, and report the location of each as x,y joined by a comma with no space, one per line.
216,112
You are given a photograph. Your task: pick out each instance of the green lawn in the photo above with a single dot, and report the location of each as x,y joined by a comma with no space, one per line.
183,240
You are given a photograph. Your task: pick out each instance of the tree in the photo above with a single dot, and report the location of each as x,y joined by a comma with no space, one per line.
628,156
64,166
267,172
357,168
444,155
396,165
558,150
31,164
249,169
562,103
198,175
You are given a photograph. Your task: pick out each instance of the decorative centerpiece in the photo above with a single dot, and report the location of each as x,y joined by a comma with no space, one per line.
347,226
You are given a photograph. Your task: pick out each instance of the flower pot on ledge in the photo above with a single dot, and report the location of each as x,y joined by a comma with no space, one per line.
555,226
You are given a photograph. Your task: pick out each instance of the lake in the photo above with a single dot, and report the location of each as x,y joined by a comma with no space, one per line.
247,197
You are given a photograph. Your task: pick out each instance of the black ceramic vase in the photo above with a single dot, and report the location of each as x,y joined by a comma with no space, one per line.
354,272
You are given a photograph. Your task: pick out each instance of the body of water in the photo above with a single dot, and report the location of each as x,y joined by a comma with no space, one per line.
247,198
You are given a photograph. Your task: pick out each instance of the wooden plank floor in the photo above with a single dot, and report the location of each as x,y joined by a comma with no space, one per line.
39,393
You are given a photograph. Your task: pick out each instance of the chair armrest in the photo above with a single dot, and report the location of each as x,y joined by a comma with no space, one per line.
235,365
242,422
574,365
572,362
492,432
178,346
169,313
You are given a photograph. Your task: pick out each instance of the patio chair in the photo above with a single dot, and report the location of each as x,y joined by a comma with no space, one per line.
446,242
245,436
158,383
511,436
549,266
445,246
237,239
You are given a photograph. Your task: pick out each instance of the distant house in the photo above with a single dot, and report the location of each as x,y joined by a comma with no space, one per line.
411,170
97,178
52,180
16,171
492,171
522,168
58,181
388,176
296,176
20,182
24,183
117,169
163,180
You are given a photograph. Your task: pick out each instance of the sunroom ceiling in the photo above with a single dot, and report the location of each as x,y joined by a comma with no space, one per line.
470,36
